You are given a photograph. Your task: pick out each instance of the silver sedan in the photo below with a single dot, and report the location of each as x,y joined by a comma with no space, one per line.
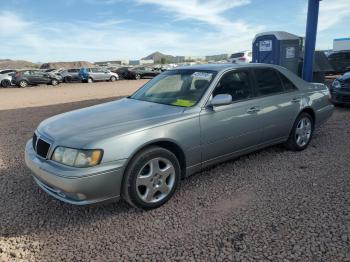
185,119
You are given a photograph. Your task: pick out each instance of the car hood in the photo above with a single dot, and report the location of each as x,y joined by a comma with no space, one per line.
345,77
106,120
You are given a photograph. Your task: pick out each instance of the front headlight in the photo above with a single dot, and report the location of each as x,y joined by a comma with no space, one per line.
76,157
336,84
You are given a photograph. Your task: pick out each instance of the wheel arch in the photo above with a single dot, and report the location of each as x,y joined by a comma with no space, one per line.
168,144
311,112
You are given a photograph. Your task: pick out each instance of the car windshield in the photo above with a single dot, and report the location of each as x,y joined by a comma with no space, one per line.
182,87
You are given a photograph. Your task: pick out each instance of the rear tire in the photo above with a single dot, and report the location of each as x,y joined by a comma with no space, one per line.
301,133
90,80
151,178
23,83
137,76
5,83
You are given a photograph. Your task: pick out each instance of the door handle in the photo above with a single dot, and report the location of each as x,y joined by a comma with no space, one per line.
295,100
253,110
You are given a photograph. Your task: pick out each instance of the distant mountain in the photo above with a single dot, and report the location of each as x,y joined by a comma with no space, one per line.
158,57
16,64
58,65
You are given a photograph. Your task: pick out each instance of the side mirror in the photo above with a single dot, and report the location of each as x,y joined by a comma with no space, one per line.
221,100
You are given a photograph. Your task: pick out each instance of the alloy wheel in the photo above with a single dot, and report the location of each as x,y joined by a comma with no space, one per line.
303,131
155,180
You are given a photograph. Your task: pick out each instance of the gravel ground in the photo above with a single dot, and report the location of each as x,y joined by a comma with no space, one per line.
271,205
44,95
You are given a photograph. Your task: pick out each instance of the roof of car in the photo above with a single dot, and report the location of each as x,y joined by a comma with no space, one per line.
221,67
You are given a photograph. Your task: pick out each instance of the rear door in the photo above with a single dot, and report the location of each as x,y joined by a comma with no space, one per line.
39,77
94,73
279,103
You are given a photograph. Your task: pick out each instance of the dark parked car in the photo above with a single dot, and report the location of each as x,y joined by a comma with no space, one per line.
143,71
340,90
24,78
340,61
124,72
71,75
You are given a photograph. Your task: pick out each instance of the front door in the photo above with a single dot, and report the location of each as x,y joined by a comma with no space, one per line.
230,129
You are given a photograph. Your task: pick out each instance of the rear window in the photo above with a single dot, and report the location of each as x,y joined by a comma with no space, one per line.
288,85
268,82
236,55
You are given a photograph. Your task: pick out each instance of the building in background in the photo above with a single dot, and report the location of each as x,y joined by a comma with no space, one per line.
341,44
112,63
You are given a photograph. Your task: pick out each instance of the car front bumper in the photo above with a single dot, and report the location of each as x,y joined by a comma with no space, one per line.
340,96
79,186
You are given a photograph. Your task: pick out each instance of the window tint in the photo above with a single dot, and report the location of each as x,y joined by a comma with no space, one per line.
268,82
288,85
235,84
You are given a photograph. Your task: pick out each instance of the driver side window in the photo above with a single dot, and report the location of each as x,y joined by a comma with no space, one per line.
236,84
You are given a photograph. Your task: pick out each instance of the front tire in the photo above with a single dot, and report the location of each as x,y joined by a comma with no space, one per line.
54,82
301,133
90,80
151,178
137,76
113,78
5,83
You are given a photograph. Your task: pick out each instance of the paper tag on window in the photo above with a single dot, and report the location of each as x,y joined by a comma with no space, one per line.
202,75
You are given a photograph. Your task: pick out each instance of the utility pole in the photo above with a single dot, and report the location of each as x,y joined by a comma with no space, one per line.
310,39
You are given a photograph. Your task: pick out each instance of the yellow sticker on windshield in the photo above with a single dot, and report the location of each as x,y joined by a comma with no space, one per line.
183,102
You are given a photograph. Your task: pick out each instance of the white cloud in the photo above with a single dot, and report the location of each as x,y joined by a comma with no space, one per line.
208,11
121,39
332,12
11,23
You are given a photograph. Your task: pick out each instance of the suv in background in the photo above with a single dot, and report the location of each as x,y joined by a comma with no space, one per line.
241,57
97,74
340,90
70,75
340,61
24,78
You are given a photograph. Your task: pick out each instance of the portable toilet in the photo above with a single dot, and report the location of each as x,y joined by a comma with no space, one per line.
279,48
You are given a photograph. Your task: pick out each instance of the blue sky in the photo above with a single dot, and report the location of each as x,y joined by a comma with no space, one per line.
97,30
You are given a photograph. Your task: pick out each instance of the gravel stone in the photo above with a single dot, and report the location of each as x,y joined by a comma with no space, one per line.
272,205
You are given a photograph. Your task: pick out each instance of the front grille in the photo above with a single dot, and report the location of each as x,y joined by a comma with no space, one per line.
34,141
345,85
42,148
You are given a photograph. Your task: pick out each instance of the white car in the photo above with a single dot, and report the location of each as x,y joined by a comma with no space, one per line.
241,57
6,78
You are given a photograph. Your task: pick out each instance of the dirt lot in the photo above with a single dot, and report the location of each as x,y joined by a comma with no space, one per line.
271,205
44,95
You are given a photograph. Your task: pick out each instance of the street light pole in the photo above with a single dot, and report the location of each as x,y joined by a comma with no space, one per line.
310,39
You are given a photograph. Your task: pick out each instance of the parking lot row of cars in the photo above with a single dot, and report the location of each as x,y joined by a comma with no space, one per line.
26,77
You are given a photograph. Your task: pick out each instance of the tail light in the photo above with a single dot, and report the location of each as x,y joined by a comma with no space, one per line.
242,59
